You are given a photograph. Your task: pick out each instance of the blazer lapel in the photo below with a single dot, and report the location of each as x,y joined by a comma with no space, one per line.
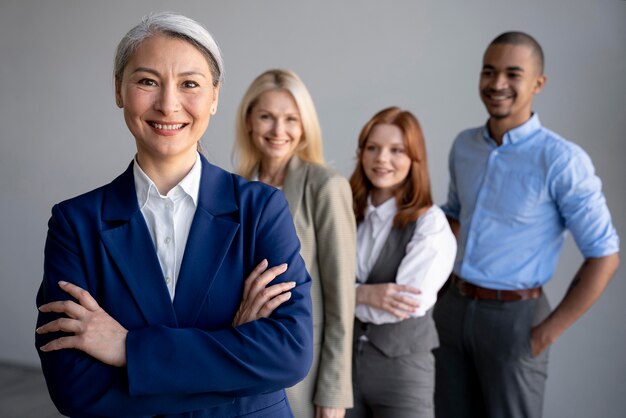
210,237
127,240
294,183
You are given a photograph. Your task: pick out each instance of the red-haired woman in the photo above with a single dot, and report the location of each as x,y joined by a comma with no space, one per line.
405,252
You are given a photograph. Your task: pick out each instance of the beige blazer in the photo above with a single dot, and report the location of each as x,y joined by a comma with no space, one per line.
320,201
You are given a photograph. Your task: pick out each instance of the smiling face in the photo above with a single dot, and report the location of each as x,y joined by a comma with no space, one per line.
275,126
168,97
385,161
509,79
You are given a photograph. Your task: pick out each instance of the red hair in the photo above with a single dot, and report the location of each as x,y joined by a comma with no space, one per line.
413,196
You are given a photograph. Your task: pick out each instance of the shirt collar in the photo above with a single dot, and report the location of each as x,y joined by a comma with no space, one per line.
143,184
383,211
518,133
189,185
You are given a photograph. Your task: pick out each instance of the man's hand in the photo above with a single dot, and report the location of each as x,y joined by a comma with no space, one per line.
587,286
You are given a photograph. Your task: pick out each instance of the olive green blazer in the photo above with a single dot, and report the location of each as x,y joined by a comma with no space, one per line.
320,201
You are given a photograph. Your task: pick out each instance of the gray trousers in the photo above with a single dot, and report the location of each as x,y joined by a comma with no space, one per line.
485,368
391,387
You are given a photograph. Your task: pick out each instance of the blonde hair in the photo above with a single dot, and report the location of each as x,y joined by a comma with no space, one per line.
245,154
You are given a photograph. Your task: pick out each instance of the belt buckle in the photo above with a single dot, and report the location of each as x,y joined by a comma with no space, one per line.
465,290
460,285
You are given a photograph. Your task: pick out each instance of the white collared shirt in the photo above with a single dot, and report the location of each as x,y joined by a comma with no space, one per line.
426,265
169,217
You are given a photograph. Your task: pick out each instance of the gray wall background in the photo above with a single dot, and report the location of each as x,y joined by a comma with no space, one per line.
61,133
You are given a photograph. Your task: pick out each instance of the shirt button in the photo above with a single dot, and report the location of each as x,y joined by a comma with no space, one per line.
168,280
168,240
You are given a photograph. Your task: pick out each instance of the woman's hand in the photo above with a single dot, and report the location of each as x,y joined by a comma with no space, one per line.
326,412
95,331
258,300
388,297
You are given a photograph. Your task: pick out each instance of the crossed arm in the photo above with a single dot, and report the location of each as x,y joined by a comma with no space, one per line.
168,369
98,334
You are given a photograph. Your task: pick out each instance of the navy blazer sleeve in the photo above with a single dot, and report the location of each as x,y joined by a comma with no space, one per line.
198,360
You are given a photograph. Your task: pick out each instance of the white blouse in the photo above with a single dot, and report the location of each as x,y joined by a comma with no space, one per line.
169,218
426,265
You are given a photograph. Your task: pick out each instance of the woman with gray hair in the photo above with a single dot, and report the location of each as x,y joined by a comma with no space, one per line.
140,308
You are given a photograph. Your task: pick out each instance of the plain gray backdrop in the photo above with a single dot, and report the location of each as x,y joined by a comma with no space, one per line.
61,133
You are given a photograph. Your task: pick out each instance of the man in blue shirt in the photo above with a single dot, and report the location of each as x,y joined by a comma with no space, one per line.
515,188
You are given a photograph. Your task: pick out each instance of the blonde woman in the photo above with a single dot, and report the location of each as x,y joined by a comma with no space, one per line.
279,143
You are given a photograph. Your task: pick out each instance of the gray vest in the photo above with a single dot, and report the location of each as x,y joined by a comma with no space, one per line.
411,335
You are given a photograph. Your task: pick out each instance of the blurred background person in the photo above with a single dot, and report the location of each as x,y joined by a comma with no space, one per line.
405,252
279,142
515,188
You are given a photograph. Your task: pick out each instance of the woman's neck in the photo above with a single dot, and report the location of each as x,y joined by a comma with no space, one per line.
380,196
166,173
273,172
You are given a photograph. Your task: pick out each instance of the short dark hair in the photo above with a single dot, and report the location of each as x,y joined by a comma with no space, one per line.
521,38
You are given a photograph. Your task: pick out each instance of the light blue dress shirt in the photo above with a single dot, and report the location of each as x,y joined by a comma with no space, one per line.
515,202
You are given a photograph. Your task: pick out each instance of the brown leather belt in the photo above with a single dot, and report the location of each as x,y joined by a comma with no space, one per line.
476,292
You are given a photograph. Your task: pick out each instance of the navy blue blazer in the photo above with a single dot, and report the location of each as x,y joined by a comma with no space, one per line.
184,358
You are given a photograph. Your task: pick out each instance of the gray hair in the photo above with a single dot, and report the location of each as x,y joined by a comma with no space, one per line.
174,25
